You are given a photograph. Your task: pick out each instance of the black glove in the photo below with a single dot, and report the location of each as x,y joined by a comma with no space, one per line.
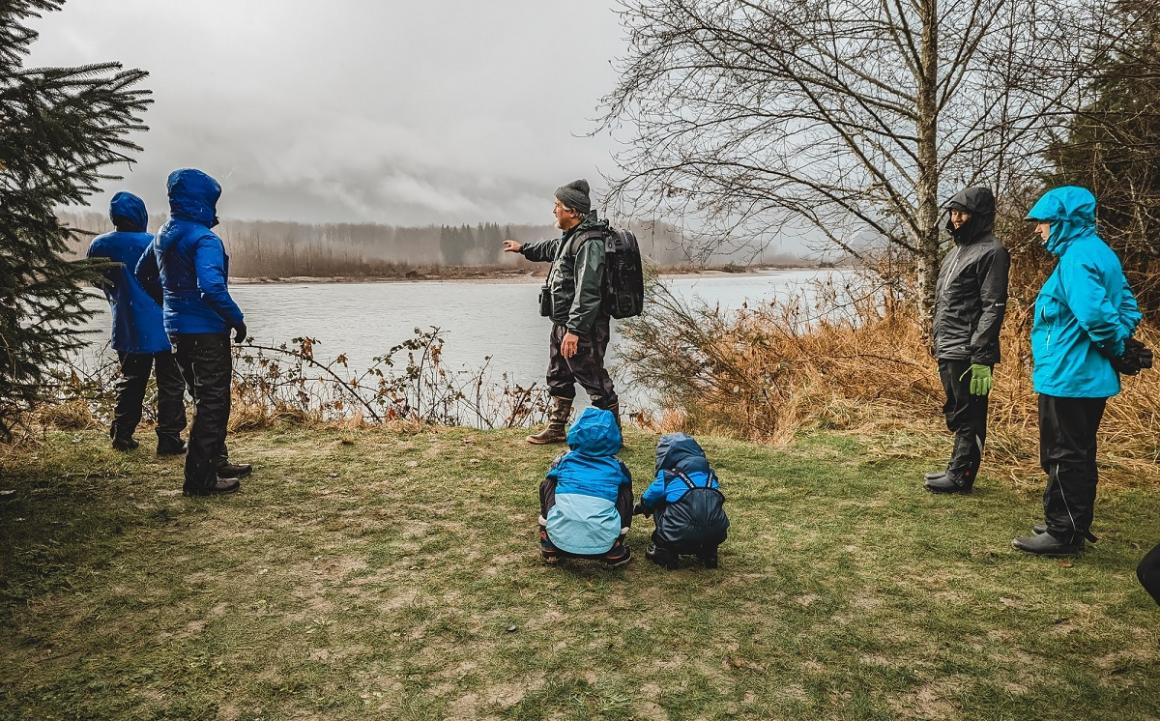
240,333
1136,357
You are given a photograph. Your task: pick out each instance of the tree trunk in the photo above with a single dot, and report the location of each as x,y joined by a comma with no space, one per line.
928,171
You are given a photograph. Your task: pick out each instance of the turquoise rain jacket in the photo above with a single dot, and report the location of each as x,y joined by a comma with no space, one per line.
1085,310
137,324
189,266
588,478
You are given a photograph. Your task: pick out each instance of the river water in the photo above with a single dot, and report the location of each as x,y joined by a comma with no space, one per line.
499,319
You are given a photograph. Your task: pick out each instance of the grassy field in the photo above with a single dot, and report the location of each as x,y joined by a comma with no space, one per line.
393,575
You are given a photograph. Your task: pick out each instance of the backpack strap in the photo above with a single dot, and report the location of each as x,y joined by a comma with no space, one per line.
688,481
578,240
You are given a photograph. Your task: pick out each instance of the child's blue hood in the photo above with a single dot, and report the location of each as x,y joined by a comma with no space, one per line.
128,213
1071,211
680,452
193,196
595,433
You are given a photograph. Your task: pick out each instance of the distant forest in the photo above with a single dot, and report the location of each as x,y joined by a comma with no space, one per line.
274,249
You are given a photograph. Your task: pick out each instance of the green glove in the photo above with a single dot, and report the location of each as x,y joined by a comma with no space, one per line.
981,380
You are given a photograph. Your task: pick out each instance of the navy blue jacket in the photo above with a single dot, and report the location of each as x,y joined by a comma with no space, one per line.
189,266
137,323
677,452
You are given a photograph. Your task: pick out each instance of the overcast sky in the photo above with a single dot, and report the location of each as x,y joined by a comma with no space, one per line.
392,111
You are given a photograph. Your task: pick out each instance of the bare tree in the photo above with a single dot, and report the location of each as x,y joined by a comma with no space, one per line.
853,117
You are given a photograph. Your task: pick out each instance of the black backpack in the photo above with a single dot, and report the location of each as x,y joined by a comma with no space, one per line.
697,518
623,272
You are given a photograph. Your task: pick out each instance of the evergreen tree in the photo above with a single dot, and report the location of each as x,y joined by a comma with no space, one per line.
59,128
1113,147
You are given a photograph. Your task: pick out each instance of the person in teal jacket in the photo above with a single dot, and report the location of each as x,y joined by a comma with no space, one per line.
1085,315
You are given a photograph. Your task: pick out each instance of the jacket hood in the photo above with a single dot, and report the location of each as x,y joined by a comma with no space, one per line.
1071,211
128,213
193,196
680,452
980,203
595,433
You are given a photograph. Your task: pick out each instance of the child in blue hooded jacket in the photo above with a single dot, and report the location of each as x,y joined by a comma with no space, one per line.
586,496
686,499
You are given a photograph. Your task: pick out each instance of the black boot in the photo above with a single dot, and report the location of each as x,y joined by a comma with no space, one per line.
1039,528
708,557
125,444
950,483
557,421
663,557
170,445
218,487
1045,544
226,469
933,475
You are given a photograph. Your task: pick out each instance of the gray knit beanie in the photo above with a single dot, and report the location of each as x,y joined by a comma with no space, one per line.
575,196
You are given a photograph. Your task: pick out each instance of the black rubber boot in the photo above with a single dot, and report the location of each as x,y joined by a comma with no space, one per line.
168,445
1039,528
219,487
557,421
933,475
226,469
663,557
1045,544
125,444
708,557
950,483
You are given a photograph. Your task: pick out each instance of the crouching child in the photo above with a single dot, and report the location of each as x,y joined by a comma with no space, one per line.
586,497
686,502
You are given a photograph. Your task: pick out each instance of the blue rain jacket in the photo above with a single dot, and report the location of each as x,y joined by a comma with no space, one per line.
137,323
677,452
189,266
1085,311
585,520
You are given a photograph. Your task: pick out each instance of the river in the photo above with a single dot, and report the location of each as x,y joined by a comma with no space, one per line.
496,318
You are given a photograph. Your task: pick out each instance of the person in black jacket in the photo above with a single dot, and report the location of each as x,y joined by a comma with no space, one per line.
572,298
970,300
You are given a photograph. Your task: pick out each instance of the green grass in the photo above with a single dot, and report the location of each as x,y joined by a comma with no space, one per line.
377,574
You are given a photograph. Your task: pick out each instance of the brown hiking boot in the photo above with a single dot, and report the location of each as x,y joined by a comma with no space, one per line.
557,420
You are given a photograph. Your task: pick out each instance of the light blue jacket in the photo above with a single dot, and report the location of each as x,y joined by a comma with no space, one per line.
1085,311
189,265
137,324
588,478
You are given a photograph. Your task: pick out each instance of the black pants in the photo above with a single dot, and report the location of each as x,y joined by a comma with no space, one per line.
1067,453
207,365
135,369
1149,573
585,368
966,417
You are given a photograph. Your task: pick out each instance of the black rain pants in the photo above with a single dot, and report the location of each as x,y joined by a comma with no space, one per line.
585,368
1067,453
131,386
966,417
207,364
